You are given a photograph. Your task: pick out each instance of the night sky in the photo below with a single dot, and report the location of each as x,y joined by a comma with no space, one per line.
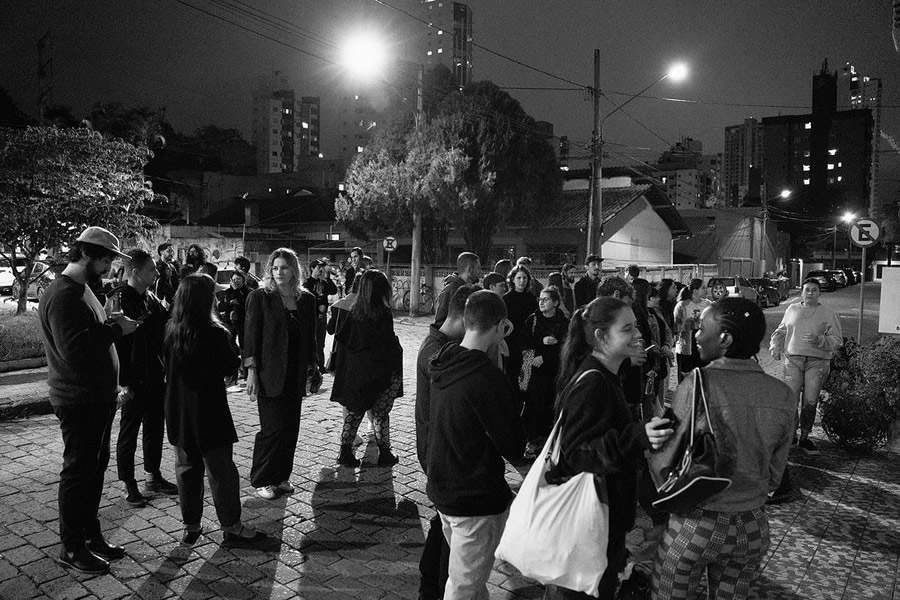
162,53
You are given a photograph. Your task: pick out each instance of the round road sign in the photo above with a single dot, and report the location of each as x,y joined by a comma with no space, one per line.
864,233
390,244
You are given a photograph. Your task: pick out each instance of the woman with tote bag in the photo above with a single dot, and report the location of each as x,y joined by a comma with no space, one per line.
597,433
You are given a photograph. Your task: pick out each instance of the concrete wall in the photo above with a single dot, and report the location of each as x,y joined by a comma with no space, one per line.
641,237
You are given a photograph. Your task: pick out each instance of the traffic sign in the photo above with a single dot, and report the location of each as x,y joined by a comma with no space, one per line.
390,244
864,233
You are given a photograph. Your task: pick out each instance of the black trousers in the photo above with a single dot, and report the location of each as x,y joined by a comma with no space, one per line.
538,411
219,468
145,410
434,561
276,442
85,431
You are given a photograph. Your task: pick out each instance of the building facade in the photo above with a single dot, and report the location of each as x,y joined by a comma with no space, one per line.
742,163
286,129
855,90
448,40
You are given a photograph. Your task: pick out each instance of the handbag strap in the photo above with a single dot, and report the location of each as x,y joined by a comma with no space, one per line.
698,383
555,449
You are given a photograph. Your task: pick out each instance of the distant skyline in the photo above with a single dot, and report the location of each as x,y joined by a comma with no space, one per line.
747,58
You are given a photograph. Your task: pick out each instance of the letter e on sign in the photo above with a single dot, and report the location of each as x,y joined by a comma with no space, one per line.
390,244
864,233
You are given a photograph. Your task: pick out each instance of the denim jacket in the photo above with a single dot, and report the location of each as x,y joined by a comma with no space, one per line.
753,417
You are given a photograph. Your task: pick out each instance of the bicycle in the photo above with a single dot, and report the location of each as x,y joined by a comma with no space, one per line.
426,299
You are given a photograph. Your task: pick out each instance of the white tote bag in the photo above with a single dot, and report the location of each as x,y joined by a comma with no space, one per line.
557,534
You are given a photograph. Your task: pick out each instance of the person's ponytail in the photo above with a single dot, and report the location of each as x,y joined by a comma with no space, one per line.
574,349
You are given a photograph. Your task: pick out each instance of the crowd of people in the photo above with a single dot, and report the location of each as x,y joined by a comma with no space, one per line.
505,359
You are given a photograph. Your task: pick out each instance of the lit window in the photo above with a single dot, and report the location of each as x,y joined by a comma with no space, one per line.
287,111
806,154
321,155
440,32
270,189
359,148
304,125
429,53
840,164
440,50
806,167
840,178
806,182
356,97
831,180
831,166
832,151
807,125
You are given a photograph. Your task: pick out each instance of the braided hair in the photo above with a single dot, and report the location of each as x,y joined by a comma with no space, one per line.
745,321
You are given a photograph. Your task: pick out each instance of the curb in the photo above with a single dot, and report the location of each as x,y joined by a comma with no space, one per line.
24,407
22,363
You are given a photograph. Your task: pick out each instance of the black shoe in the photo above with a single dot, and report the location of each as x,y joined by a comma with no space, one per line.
133,495
100,547
190,537
346,458
235,540
83,561
386,458
157,484
808,446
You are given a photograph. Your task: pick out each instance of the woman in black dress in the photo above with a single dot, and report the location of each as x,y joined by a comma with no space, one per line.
520,304
369,367
200,354
280,354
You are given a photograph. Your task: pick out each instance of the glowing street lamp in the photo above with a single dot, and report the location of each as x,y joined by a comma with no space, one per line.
364,55
847,218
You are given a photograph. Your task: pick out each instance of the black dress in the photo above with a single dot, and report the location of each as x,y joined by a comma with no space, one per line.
519,305
541,394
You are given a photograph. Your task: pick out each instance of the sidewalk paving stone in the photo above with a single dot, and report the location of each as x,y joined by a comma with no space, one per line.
358,533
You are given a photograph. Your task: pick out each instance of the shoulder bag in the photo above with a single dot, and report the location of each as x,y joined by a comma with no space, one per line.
684,470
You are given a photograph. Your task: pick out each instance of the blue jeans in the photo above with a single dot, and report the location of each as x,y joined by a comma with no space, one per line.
805,376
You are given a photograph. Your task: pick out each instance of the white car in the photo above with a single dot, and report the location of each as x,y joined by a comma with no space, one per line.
6,280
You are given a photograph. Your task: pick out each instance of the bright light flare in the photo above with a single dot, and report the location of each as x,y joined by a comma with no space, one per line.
678,72
848,217
364,55
785,194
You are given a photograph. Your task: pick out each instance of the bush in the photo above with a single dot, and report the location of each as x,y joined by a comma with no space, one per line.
860,400
20,337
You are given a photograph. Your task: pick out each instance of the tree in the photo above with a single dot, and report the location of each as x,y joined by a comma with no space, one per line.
511,175
55,182
10,115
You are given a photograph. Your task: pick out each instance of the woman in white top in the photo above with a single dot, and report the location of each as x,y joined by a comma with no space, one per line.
806,338
687,320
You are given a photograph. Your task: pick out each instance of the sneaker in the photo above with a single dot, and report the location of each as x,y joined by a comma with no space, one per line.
808,446
267,492
133,496
285,487
83,561
158,485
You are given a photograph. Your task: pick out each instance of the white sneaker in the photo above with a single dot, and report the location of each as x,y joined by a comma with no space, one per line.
285,487
268,492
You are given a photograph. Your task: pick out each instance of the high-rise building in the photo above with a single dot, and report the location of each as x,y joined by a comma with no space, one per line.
855,90
448,40
357,121
285,128
742,163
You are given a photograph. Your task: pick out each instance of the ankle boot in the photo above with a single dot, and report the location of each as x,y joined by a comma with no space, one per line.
346,458
386,458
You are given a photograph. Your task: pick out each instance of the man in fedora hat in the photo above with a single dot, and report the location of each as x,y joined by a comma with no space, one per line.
83,378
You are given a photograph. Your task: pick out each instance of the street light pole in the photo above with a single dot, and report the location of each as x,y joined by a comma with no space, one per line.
595,203
415,266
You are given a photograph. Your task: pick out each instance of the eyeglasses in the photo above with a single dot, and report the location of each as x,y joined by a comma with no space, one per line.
545,299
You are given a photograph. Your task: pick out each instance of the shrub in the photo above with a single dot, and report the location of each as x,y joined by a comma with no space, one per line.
861,398
20,337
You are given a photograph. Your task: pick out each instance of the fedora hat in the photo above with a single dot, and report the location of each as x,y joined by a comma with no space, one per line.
103,238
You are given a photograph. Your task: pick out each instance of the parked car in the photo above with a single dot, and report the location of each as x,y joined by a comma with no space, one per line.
767,290
6,280
849,275
39,278
825,279
735,287
840,278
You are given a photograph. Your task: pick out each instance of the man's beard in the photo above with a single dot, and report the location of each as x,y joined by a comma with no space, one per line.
93,274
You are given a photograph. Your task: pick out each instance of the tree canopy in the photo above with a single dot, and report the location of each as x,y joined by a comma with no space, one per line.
479,163
55,182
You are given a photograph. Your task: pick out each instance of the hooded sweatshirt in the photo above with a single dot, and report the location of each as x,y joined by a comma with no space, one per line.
452,282
473,425
430,346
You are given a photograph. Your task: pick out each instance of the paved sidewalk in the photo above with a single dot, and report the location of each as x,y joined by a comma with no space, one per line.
358,534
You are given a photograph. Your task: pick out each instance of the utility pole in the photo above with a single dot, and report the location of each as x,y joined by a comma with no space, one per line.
416,259
595,204
764,237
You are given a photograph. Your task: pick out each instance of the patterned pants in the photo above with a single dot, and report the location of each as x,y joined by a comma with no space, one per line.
729,546
381,411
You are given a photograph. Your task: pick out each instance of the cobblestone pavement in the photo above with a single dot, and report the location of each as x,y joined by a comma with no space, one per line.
358,534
